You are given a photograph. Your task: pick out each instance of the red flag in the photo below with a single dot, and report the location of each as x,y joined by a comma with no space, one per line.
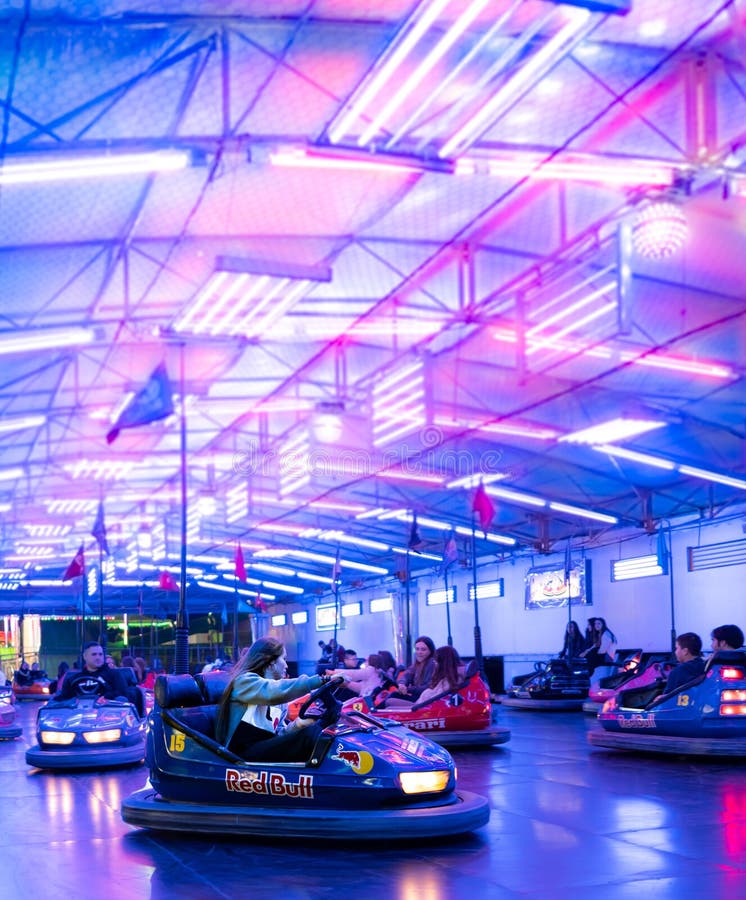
76,567
240,567
259,604
167,582
484,507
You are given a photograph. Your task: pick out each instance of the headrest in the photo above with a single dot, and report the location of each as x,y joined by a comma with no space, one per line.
472,669
128,673
212,685
172,691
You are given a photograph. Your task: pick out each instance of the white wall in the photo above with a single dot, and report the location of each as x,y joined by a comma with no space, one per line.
638,611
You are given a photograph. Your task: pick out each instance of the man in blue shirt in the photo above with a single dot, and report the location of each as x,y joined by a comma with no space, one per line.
689,656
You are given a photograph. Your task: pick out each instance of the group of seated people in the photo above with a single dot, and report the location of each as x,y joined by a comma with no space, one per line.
597,646
26,675
252,720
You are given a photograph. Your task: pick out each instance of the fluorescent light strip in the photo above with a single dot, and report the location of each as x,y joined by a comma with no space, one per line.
610,432
716,477
404,88
308,158
29,341
534,432
11,473
577,168
635,567
414,29
583,513
471,481
492,538
342,538
287,588
548,55
568,310
712,370
573,326
224,588
18,423
273,570
330,560
643,458
516,496
33,171
405,476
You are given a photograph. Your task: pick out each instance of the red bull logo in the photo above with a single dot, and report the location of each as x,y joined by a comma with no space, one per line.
360,761
269,784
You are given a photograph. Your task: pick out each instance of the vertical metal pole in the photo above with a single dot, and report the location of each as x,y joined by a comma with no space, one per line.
181,643
448,609
235,625
408,641
477,631
101,628
669,554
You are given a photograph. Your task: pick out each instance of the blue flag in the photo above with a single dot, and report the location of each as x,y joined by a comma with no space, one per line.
150,403
99,528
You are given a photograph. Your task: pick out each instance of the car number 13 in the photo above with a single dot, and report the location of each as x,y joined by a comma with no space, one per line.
682,700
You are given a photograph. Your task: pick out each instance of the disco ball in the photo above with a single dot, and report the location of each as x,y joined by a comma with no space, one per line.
659,230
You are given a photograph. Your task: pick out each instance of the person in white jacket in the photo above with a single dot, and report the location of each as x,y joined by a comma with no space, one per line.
252,717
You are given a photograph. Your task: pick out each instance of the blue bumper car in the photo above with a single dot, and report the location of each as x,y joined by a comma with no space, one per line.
560,684
364,779
705,717
9,728
87,732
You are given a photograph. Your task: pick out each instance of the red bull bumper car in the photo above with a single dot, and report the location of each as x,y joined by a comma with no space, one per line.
365,778
87,732
559,685
461,718
641,670
706,717
9,728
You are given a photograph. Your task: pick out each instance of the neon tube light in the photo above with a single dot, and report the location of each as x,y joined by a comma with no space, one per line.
407,476
636,567
492,538
716,477
415,78
555,49
33,171
633,456
583,513
611,432
516,496
52,338
516,429
574,168
414,29
354,161
18,423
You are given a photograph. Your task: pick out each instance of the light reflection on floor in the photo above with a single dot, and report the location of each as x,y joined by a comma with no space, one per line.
567,822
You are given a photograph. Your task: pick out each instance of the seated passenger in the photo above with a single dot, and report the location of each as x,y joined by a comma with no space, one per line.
388,663
726,637
62,670
359,682
603,647
95,674
413,681
252,719
37,673
689,656
22,676
574,642
445,678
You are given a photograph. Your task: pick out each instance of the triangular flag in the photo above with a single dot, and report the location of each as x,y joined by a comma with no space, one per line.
167,582
483,506
99,528
224,616
568,562
259,604
415,541
240,567
661,550
450,551
76,567
150,403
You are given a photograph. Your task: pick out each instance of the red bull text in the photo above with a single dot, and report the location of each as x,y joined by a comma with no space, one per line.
268,783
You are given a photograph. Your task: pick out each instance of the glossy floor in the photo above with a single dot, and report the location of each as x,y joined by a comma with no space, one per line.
567,821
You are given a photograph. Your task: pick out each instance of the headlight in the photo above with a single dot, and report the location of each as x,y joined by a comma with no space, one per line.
56,737
424,782
102,737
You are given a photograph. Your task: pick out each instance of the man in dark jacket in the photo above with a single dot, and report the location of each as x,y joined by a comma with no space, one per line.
689,656
94,678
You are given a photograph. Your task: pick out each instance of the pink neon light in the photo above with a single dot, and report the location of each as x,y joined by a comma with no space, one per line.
279,528
343,507
621,174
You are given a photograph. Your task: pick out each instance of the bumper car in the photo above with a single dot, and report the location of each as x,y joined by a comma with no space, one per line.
9,729
365,778
560,684
705,717
638,671
461,718
87,732
36,690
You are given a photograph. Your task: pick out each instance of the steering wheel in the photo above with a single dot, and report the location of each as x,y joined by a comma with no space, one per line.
387,681
540,666
330,706
86,685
